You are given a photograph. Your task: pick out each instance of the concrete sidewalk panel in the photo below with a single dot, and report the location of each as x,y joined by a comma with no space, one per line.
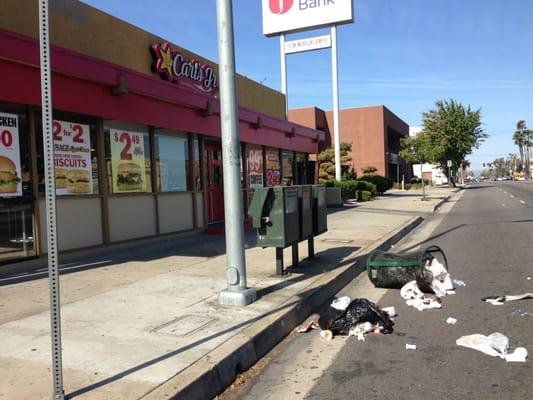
271,328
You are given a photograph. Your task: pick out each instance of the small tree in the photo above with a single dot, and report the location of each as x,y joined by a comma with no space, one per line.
455,130
326,159
418,150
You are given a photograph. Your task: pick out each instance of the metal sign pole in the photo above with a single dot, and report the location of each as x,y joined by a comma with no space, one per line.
283,60
237,293
335,84
53,272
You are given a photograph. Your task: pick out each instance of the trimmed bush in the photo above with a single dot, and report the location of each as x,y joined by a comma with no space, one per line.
368,186
348,188
382,182
364,195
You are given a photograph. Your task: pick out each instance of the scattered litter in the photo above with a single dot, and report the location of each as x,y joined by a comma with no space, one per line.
391,311
411,291
410,346
417,299
448,292
520,312
459,283
424,303
499,300
341,303
442,281
326,334
518,355
451,321
307,326
360,329
528,278
358,312
495,345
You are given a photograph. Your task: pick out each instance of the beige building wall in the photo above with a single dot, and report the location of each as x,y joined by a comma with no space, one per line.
131,217
84,29
175,212
79,223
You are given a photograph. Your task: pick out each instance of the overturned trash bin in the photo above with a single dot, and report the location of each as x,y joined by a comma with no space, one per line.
393,270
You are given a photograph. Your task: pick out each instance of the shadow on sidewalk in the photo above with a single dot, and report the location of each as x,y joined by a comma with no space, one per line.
309,272
201,245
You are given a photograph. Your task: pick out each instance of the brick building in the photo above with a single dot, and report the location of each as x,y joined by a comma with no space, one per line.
374,133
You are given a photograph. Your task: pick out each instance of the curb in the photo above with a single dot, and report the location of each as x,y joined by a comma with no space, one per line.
440,203
213,373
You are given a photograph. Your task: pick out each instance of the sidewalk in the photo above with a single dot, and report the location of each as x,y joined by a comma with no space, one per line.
148,324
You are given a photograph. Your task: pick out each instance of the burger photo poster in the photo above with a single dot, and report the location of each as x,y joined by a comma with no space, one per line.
10,185
72,158
127,161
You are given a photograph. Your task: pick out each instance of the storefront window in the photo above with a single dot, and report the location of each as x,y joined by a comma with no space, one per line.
254,163
16,200
273,167
172,158
301,169
127,157
287,161
75,160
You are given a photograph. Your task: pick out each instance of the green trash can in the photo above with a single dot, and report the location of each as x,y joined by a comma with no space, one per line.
305,208
393,270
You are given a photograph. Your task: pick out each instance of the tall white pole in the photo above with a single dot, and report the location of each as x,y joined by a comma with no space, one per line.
53,271
237,293
283,61
336,118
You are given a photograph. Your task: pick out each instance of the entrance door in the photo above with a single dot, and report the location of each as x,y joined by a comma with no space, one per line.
215,187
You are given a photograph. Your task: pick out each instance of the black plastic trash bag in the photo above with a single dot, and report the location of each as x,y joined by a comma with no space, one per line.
358,311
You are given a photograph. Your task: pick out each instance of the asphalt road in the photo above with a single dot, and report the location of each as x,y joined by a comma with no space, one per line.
488,238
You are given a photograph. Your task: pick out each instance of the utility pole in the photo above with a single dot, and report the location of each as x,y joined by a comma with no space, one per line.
237,293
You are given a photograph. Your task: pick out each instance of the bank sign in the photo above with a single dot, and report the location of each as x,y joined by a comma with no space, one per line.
176,68
283,16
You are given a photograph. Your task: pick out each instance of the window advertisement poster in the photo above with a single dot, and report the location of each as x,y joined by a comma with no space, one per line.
255,167
72,158
172,160
127,161
10,175
273,168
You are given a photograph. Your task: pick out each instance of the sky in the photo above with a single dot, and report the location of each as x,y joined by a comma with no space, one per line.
404,54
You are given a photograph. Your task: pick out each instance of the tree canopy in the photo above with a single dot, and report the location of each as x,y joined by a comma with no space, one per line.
450,131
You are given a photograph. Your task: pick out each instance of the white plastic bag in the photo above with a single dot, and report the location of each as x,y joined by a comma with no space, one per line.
341,303
494,345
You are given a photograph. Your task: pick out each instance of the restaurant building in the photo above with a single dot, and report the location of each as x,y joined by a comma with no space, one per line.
374,133
136,133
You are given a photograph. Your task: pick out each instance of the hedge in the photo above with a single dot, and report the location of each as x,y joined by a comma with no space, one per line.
382,182
368,186
364,195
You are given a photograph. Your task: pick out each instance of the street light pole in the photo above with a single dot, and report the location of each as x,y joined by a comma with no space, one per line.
237,293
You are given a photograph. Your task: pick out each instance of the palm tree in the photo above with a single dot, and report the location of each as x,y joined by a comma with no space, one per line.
519,138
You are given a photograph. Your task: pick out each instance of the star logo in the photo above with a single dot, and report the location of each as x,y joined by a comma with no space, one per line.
163,60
